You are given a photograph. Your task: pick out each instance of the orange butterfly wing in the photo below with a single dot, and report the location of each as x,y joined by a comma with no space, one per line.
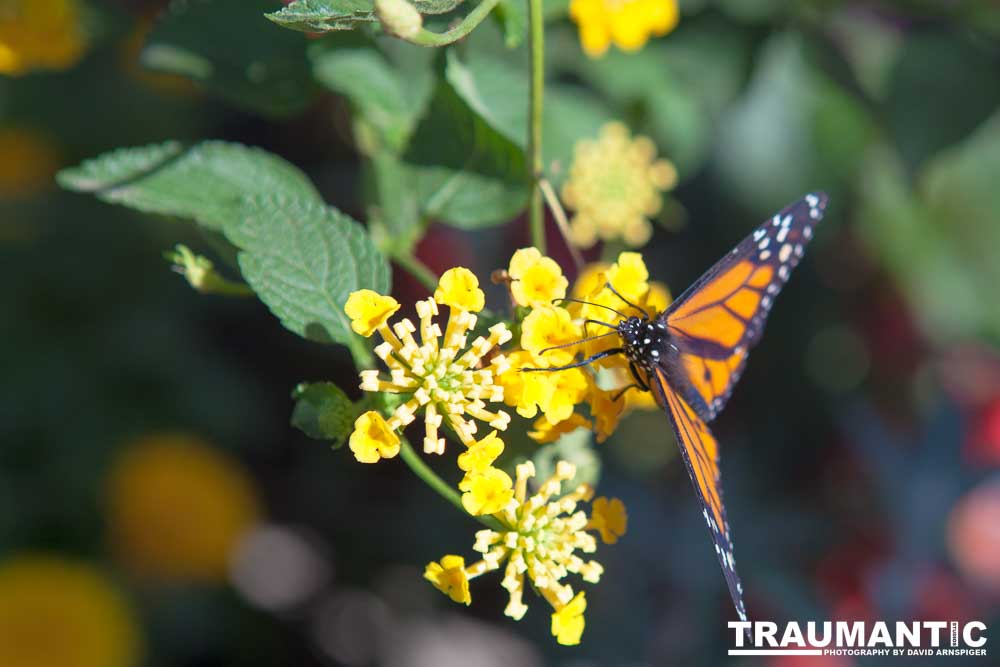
700,452
719,318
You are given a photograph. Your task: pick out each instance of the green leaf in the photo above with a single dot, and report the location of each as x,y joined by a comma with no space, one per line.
303,259
390,96
324,412
229,48
467,173
497,91
394,214
943,86
206,182
328,15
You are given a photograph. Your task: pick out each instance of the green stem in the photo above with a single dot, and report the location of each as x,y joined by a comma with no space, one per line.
427,38
361,353
431,479
418,270
536,44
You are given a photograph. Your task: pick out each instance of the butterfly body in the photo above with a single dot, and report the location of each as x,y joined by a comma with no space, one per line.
691,355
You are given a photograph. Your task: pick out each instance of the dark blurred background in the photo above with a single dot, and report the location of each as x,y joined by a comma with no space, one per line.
151,483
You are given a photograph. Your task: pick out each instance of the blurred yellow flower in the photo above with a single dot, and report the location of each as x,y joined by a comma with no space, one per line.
540,539
450,578
459,288
373,439
486,491
177,507
55,612
609,518
28,162
627,23
40,34
369,310
481,454
443,380
536,279
568,622
615,184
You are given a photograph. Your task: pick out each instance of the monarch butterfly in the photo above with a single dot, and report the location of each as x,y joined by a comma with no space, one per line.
692,354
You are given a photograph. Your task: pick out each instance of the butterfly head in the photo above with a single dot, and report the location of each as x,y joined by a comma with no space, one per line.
644,340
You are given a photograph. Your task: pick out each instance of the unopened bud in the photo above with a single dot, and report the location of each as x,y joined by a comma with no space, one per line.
399,18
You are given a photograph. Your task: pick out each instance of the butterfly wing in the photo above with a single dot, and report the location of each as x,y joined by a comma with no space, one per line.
717,320
699,450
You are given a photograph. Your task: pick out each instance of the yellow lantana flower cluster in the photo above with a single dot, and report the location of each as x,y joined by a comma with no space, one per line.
556,394
40,34
540,538
627,23
615,185
442,377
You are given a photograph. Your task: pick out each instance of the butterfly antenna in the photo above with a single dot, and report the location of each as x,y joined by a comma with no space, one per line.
627,302
588,303
578,342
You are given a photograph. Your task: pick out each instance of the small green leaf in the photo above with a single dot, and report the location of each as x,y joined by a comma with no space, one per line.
467,173
513,15
324,412
229,48
303,259
206,182
328,15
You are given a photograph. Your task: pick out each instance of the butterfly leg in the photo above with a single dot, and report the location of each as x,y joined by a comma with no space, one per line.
614,399
639,382
589,360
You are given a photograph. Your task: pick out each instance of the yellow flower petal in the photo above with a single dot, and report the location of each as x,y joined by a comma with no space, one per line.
450,578
568,622
657,298
537,280
369,310
373,439
609,518
550,326
629,26
629,276
482,454
459,288
486,492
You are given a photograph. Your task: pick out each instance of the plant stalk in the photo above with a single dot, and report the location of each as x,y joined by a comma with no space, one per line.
418,270
427,38
431,479
536,45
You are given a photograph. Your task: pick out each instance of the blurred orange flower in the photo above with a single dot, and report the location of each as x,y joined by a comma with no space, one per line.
55,612
178,507
28,162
